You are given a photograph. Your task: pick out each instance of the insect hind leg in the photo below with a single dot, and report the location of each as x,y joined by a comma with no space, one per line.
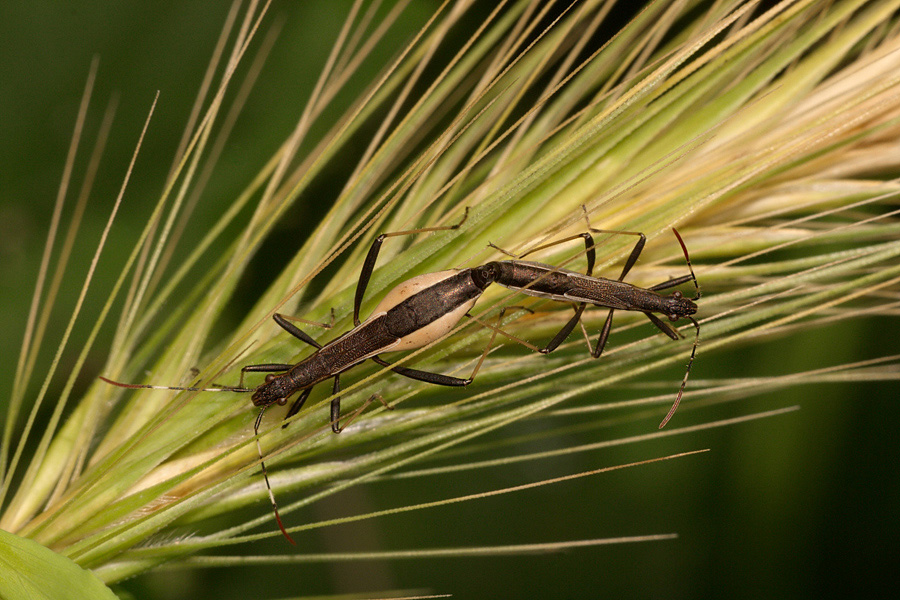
369,263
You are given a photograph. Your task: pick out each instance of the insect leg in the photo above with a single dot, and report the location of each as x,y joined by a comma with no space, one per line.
358,412
426,376
670,283
280,367
264,368
496,328
590,254
563,333
635,252
664,327
604,335
632,259
336,407
297,405
328,325
295,331
369,264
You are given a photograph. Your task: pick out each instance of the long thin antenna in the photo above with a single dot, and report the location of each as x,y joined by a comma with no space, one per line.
265,473
146,386
687,259
687,373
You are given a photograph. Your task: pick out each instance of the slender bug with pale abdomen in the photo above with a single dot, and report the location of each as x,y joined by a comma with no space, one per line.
545,281
412,315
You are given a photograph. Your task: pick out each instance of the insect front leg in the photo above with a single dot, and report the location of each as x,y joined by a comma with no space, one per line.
664,327
264,368
675,282
336,426
281,367
328,325
357,412
297,405
295,331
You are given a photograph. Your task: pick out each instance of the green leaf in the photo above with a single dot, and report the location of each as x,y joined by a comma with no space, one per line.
31,571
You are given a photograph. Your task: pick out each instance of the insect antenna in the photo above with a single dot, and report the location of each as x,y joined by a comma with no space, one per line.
687,259
687,372
265,473
140,386
146,386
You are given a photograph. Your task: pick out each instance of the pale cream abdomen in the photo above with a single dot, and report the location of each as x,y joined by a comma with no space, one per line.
434,330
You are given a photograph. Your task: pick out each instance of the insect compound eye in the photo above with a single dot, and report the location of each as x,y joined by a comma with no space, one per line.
270,377
673,317
677,295
281,401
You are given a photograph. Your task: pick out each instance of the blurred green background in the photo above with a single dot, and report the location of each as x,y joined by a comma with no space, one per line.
802,505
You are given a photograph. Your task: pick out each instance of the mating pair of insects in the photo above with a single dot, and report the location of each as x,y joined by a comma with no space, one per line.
425,308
